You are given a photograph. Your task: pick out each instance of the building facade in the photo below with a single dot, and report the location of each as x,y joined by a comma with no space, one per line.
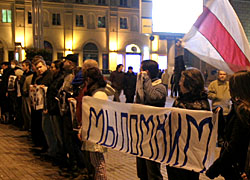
106,30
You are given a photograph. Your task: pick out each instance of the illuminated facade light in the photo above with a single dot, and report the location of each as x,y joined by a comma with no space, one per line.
68,52
163,62
112,60
113,46
68,45
119,59
23,54
155,57
155,44
146,55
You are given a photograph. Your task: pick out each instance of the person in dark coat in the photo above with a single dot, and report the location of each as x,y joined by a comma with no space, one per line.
179,65
117,79
192,96
129,85
7,71
38,117
26,103
173,85
53,108
232,159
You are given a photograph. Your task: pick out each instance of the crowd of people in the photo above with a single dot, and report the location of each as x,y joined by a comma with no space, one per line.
47,102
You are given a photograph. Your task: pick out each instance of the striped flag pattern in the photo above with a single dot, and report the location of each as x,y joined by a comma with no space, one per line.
218,38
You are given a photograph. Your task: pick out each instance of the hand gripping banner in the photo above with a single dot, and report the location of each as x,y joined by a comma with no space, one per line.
177,137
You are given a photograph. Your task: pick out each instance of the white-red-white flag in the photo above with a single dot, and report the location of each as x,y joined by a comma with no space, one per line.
218,38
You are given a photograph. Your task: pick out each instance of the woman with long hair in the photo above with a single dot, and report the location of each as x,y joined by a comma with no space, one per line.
233,155
192,96
96,84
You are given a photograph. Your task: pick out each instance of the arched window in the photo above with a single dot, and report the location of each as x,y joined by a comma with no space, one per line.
90,51
133,57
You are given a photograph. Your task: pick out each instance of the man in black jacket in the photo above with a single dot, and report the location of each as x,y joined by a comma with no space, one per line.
117,79
4,100
39,122
129,85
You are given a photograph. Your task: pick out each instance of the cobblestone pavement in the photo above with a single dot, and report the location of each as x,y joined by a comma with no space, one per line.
19,162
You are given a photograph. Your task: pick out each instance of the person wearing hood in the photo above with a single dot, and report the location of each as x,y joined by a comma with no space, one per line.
192,96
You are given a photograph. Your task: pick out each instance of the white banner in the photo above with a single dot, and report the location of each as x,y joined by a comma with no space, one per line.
178,137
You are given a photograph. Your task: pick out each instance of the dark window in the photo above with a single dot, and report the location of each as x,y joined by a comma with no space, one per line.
123,3
10,55
123,23
79,1
79,21
59,55
101,2
105,64
101,22
29,18
49,48
56,20
90,51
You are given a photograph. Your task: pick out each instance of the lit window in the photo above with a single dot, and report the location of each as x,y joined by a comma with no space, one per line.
29,18
6,16
79,21
133,60
56,20
101,22
146,53
163,62
119,59
123,23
